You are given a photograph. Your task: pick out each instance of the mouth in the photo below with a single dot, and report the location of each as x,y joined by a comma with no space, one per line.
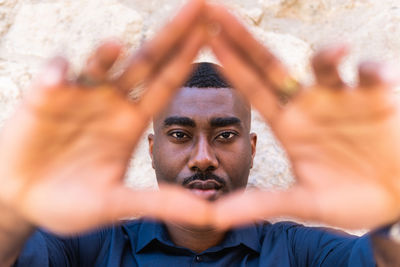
208,189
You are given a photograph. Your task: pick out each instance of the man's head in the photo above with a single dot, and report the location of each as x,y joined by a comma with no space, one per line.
202,139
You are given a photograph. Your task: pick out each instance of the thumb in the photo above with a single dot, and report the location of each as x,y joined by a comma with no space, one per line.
170,203
243,208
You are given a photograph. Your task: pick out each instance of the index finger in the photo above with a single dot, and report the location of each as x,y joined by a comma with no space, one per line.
267,63
153,54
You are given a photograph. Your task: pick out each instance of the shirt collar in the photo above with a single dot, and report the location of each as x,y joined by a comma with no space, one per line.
150,231
248,236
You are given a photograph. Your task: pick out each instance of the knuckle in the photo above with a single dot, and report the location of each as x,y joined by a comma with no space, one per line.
147,56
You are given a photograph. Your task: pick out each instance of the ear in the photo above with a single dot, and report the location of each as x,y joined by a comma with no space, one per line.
253,143
150,138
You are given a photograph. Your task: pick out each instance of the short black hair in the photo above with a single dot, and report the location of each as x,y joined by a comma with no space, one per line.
206,75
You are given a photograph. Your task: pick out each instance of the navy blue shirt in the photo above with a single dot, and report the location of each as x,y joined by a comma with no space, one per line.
147,243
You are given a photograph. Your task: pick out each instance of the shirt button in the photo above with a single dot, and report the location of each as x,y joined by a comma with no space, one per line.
198,258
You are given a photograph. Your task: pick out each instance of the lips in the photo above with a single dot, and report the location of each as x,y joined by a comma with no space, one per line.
204,185
208,189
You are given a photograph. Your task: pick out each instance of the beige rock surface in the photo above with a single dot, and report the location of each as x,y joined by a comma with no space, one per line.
33,30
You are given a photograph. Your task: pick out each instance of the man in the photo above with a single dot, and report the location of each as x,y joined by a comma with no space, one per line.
202,141
63,168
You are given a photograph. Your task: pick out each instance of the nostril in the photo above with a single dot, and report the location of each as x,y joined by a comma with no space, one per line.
195,169
210,168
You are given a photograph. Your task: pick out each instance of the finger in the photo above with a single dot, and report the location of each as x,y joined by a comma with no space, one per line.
170,203
375,74
150,58
325,64
245,78
244,208
51,78
164,84
53,75
101,61
270,67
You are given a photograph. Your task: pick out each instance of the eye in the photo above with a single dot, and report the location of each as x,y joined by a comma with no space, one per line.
179,135
225,136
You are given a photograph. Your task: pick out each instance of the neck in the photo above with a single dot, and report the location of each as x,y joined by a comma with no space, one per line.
195,239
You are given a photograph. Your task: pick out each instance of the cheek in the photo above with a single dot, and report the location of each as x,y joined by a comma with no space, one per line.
241,172
237,166
168,162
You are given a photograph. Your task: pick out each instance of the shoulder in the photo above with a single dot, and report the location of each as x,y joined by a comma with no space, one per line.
93,239
292,227
296,232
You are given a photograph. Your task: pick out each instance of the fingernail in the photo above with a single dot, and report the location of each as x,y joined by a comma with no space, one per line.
390,73
53,73
50,77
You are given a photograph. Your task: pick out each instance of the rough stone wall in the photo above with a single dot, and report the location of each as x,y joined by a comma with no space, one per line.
33,30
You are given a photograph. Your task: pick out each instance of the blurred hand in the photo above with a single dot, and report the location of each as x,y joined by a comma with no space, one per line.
343,143
65,151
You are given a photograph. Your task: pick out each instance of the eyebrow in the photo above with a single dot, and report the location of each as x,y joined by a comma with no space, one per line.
225,121
214,122
182,121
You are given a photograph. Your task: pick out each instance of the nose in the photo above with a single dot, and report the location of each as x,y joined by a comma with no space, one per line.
203,157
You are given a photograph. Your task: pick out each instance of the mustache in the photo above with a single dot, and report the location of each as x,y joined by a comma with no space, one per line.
203,177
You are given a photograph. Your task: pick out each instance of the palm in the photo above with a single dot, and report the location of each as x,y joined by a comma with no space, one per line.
69,151
66,150
346,143
343,142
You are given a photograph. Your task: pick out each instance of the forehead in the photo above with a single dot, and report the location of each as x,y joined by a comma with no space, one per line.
206,103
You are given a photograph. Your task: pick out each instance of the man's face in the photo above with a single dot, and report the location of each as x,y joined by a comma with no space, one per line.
202,141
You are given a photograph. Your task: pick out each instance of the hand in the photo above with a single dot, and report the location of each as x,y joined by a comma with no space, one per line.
343,143
65,151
